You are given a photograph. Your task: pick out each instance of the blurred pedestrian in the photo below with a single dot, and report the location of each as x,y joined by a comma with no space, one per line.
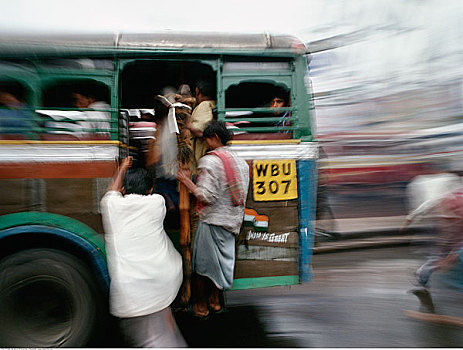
446,211
221,189
144,266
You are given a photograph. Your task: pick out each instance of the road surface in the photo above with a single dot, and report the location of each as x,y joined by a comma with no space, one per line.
356,299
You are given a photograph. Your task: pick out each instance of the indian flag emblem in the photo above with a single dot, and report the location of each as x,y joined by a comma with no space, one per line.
261,223
249,217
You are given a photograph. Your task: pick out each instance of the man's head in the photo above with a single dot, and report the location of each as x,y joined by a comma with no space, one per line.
82,100
138,181
8,99
216,134
204,91
86,93
279,100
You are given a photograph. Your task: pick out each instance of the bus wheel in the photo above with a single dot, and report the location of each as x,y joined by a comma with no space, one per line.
48,298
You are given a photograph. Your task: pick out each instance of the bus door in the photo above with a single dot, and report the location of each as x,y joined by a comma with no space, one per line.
142,79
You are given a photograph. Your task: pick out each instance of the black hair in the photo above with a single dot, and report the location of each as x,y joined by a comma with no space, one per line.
217,128
206,88
91,89
14,88
281,93
137,181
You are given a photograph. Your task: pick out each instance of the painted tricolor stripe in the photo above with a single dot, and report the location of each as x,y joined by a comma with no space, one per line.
261,223
250,216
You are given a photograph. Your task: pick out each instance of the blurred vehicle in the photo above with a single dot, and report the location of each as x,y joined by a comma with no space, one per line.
377,167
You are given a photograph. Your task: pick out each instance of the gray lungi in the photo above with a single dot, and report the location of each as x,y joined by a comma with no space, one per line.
214,254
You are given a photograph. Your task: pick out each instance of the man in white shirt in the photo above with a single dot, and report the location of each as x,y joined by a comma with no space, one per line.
98,121
145,268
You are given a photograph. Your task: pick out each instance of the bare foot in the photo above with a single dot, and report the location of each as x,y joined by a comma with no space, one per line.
200,310
214,303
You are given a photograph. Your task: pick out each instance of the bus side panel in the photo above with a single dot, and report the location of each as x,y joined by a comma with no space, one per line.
16,196
275,245
307,180
267,249
272,251
76,198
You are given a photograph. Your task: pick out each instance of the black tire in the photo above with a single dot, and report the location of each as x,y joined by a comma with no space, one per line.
48,298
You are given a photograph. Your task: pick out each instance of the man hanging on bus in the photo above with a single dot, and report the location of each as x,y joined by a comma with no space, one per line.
221,190
144,266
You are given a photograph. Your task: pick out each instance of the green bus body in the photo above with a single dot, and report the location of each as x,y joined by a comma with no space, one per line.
53,178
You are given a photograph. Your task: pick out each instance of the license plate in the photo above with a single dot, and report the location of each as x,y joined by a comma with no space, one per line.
274,180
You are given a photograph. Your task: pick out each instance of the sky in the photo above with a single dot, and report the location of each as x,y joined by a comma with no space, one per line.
309,19
145,15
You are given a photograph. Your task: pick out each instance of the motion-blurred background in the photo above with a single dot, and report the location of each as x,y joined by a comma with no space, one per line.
388,88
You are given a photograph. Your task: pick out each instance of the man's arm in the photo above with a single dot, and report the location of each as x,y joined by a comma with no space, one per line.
118,178
184,176
196,132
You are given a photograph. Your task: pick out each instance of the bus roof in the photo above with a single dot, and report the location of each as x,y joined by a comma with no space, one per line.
15,44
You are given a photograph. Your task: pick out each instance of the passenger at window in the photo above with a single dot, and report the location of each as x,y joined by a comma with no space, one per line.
15,119
202,115
95,121
280,100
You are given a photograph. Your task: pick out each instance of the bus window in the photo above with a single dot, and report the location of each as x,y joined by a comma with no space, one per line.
76,109
259,107
16,119
253,95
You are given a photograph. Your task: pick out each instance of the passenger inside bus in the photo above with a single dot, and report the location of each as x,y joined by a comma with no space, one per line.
279,101
16,121
97,121
61,119
202,115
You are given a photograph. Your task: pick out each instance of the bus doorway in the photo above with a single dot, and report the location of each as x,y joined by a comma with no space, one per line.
141,83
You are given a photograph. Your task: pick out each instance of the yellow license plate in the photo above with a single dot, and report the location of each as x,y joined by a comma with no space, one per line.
274,180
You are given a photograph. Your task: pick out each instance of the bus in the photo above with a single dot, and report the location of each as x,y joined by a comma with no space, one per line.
58,155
